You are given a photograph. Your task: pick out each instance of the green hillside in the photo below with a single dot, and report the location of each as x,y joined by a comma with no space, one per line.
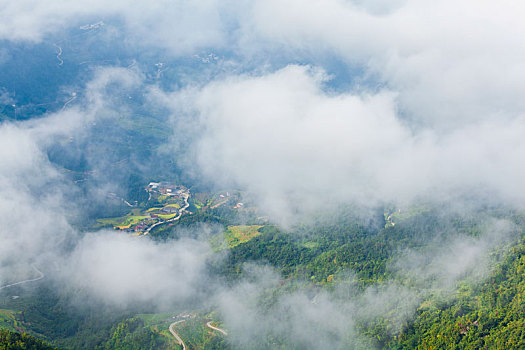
490,315
21,341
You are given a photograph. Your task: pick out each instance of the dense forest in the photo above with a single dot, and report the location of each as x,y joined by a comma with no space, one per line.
480,313
486,313
490,315
21,341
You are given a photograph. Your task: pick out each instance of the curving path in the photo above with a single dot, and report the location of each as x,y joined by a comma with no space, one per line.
216,328
73,98
59,54
27,281
181,211
176,335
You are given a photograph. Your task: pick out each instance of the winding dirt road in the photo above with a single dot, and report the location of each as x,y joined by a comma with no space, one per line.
216,328
73,98
181,211
27,281
176,335
61,62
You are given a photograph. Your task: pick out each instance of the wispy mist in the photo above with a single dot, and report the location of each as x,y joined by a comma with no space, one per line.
249,96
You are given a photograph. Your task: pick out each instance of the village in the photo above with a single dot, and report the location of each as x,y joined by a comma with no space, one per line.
168,202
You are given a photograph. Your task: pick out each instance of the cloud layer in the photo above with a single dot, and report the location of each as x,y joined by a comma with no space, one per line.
178,26
432,110
39,202
299,147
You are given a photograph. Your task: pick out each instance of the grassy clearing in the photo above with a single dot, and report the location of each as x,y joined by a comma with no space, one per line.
174,205
123,221
153,209
233,236
310,245
167,216
236,235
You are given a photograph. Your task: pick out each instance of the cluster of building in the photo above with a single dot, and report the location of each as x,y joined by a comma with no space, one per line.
166,188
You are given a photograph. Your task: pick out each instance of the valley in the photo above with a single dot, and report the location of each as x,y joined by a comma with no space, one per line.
292,175
315,259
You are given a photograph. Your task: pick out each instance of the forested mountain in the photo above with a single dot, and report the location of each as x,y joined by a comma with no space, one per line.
488,315
478,310
265,174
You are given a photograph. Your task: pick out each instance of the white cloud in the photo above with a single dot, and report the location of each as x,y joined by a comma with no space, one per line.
179,26
451,61
32,223
119,269
458,257
448,120
300,148
37,201
281,137
261,312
